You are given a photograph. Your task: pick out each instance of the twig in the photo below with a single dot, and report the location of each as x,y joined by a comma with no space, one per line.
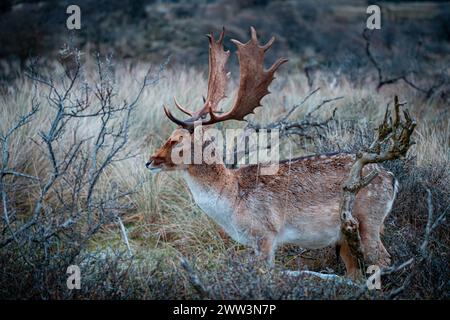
124,235
307,127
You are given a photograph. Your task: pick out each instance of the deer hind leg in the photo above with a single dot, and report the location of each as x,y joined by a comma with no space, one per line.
374,250
376,253
372,226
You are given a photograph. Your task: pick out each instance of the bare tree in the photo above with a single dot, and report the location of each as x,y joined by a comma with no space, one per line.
307,127
71,205
404,76
392,142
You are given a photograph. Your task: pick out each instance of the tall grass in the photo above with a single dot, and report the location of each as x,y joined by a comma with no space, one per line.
164,224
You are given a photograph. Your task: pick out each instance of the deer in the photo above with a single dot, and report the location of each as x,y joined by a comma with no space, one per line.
297,205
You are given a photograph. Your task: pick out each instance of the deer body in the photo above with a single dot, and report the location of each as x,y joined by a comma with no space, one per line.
300,203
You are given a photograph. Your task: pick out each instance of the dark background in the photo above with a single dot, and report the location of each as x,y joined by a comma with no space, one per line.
314,34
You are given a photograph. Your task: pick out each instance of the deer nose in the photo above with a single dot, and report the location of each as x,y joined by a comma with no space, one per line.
148,164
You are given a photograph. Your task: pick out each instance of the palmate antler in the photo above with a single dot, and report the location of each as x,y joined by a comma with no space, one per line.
253,84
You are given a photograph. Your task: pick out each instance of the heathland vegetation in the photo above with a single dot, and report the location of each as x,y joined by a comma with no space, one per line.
77,128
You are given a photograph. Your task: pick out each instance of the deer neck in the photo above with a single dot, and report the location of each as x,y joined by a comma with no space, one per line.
213,188
207,177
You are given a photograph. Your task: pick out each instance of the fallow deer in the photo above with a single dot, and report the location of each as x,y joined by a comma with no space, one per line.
299,204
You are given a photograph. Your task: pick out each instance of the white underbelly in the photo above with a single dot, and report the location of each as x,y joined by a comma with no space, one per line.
309,231
314,238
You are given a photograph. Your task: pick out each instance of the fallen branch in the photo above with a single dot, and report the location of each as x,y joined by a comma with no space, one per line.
322,276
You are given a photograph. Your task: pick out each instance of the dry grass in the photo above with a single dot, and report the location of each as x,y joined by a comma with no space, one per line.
164,223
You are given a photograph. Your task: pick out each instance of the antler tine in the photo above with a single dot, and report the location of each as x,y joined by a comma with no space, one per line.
276,65
253,33
184,110
237,42
255,39
184,124
210,36
268,44
222,36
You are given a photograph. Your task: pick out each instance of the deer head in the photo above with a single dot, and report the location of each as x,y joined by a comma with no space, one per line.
253,86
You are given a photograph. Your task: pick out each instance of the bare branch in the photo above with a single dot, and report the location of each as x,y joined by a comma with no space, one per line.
383,80
398,132
306,127
74,168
